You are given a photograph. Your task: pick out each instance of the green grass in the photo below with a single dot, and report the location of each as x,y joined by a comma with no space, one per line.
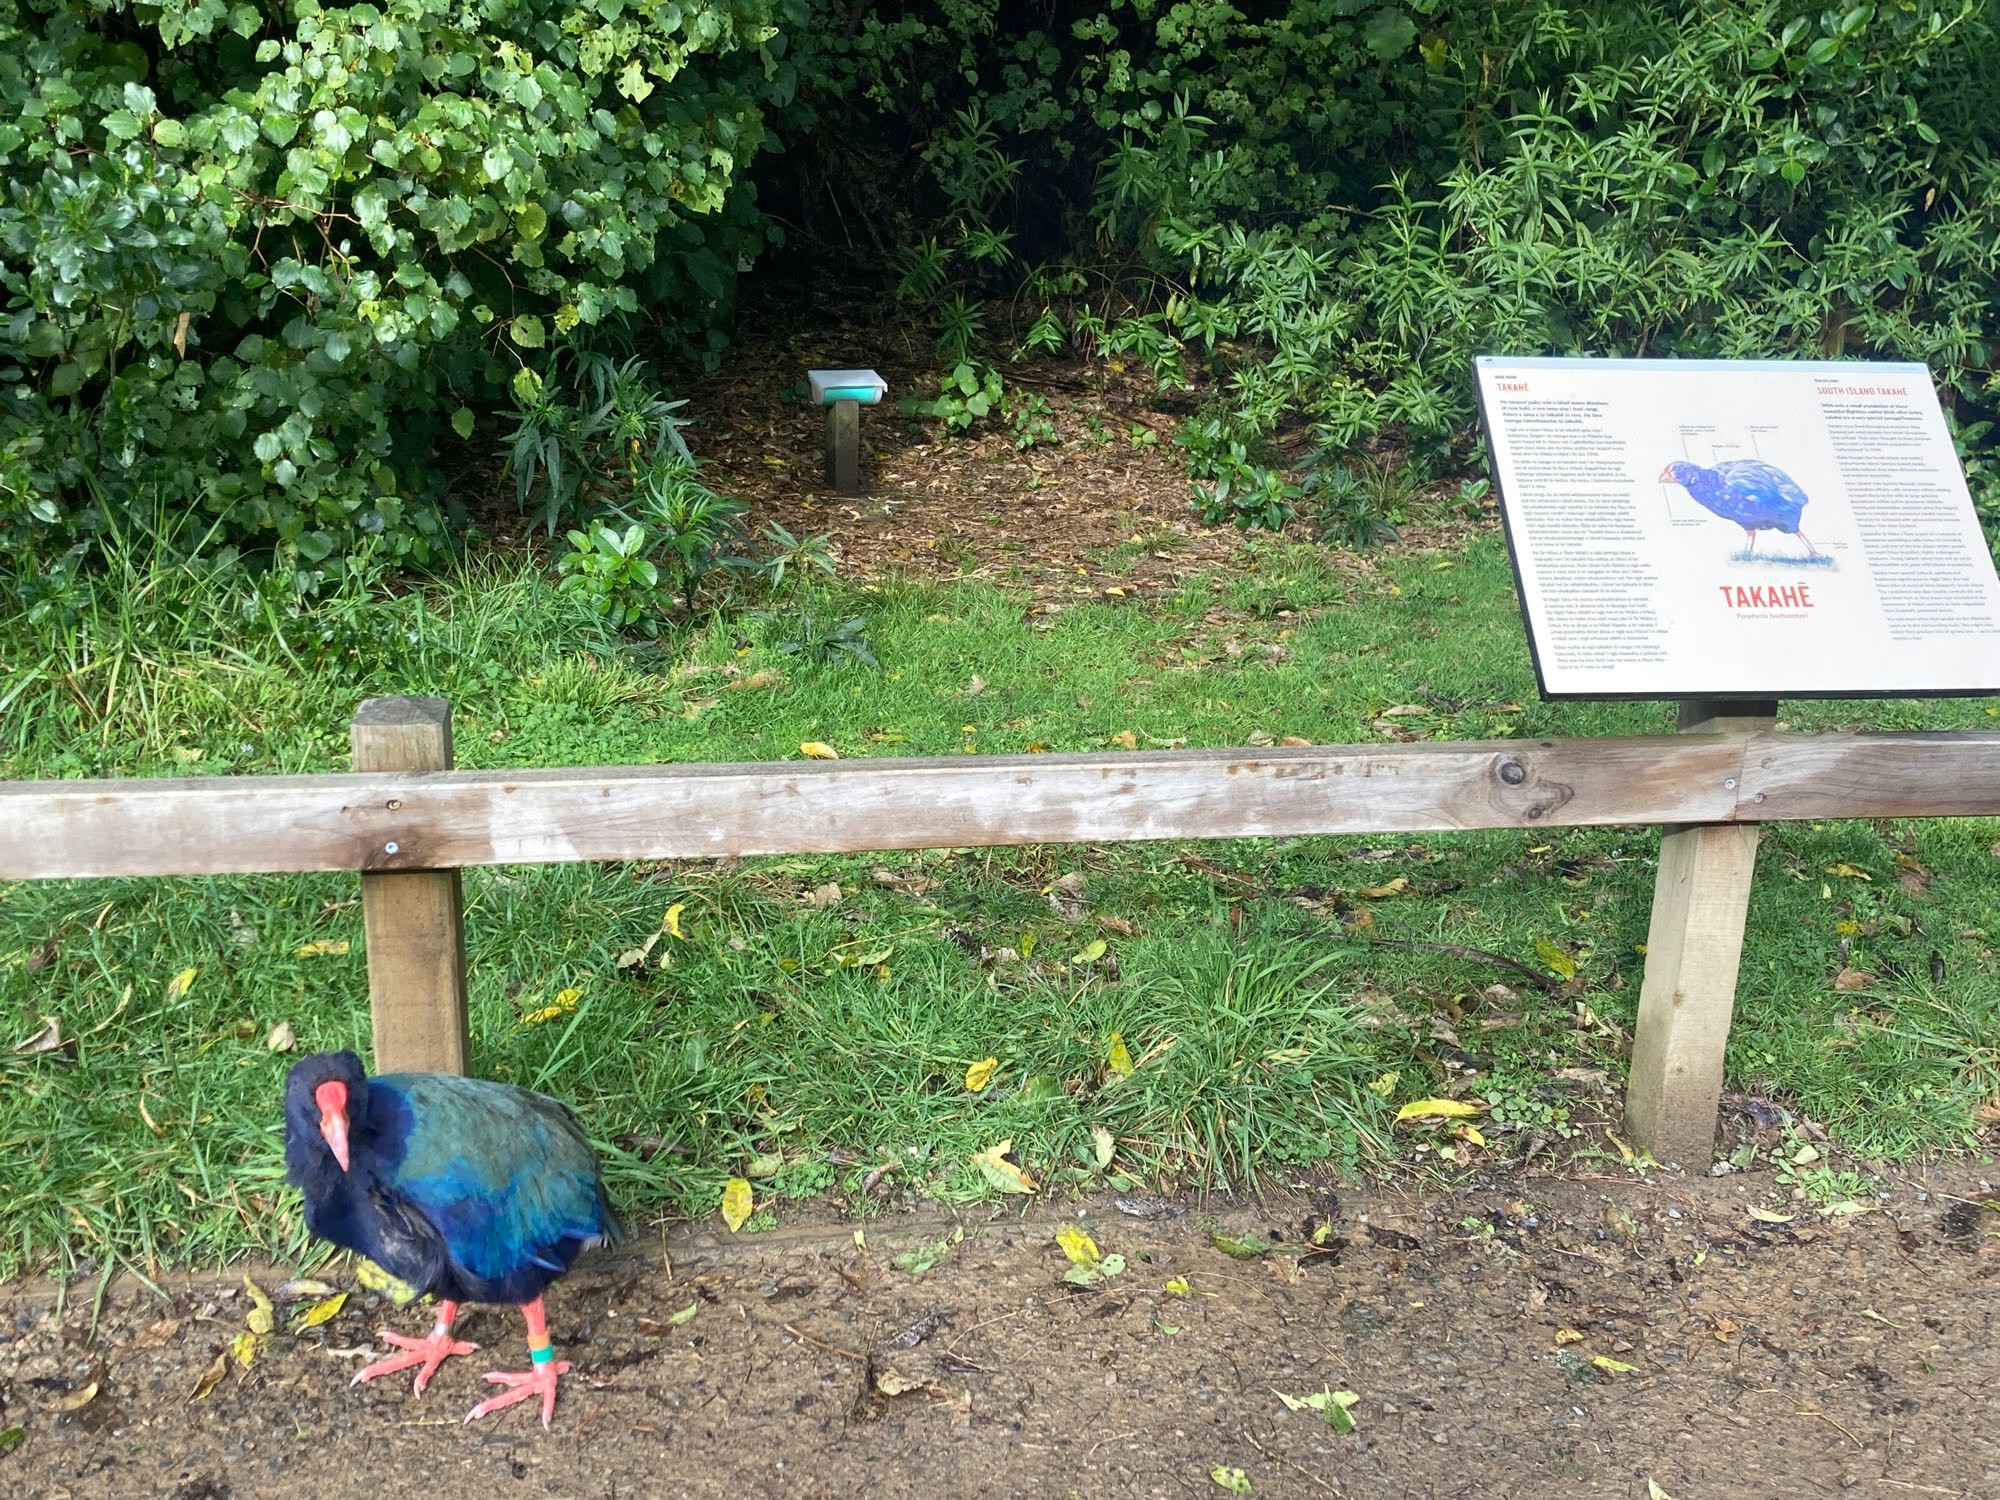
1257,1014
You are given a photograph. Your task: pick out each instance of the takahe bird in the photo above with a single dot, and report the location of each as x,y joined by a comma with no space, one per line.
1755,495
469,1190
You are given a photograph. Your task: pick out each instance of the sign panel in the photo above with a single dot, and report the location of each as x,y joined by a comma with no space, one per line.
1739,529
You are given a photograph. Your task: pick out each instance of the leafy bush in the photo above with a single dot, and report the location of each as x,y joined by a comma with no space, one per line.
584,443
258,264
1329,206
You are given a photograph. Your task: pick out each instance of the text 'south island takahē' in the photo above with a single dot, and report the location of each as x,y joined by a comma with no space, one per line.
1755,495
470,1191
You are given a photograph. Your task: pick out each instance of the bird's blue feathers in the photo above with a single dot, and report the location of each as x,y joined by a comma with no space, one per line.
467,1189
1755,495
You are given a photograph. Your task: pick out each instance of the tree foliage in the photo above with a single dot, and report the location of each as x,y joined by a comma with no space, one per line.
256,264
261,261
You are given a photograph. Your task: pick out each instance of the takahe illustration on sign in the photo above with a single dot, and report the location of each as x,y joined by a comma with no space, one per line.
1754,495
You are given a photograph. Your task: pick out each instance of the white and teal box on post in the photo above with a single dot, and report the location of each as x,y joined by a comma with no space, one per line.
843,393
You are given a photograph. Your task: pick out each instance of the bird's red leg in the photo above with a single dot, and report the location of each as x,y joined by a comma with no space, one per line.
1811,550
428,1352
1752,545
539,1381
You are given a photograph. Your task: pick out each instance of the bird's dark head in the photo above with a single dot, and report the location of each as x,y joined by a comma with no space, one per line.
324,1095
1679,473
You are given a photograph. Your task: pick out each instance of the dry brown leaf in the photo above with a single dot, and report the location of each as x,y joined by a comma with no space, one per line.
894,1383
1404,711
1387,889
48,1037
1853,979
824,896
210,1378
281,1038
763,677
75,1400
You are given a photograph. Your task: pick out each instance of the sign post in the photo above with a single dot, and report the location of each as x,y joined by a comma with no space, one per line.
1724,534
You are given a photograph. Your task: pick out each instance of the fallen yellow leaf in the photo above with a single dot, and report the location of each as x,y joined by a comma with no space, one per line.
737,1202
178,986
1125,739
1118,1057
1384,891
818,750
1435,1109
1561,962
1091,953
1002,1173
261,1318
322,1311
981,1073
1568,1336
328,949
1078,1246
1178,1286
1849,872
1615,1366
244,1347
672,921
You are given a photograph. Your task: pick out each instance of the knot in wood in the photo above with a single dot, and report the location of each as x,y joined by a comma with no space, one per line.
1513,772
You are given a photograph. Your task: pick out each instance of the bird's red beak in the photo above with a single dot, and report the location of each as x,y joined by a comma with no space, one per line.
1667,474
332,1099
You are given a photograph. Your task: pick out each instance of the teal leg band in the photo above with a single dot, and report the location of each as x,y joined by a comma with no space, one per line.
542,1356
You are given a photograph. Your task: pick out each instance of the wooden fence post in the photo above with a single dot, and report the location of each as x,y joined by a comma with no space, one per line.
1693,947
413,919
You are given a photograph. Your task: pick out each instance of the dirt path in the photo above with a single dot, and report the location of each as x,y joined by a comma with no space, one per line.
1828,1356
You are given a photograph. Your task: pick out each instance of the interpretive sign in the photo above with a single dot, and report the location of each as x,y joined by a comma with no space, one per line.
1700,529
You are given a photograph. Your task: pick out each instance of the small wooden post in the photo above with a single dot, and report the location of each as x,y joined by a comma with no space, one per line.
843,393
413,919
1693,947
843,446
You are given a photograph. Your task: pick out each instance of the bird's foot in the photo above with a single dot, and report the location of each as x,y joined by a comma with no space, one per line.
430,1351
540,1381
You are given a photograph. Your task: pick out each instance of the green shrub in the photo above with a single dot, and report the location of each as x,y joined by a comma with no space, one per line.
261,263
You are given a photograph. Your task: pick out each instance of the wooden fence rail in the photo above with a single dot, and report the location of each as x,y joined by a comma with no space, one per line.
408,831
382,820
